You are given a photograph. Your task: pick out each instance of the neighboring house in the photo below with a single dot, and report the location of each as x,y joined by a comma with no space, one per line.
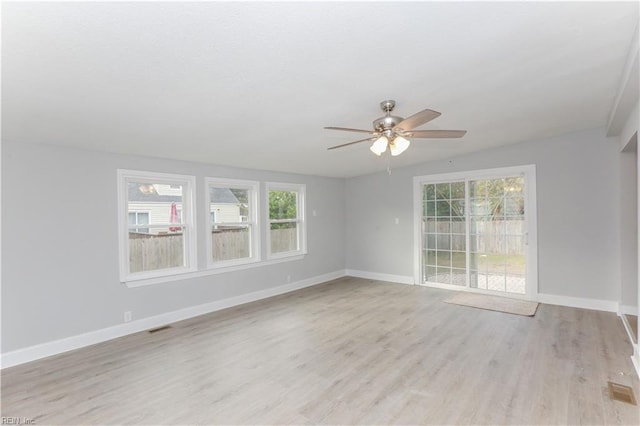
150,207
224,207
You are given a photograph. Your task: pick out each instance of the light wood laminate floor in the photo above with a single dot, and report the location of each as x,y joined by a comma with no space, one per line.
350,351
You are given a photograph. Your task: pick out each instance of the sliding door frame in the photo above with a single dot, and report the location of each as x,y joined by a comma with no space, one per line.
531,233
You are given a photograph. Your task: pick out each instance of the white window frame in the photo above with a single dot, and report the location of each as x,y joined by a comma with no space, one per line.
189,223
300,220
531,236
253,220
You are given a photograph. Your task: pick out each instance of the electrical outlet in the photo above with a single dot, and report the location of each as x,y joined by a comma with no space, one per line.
397,220
288,278
127,316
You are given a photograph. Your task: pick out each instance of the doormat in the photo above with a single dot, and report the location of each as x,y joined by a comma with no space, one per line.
494,303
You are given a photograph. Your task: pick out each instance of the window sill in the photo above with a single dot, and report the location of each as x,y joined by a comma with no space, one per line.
212,270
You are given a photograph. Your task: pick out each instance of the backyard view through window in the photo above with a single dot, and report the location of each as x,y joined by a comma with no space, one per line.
474,232
157,233
232,215
285,219
160,244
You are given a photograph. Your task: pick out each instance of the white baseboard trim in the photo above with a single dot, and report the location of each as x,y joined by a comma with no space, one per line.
400,279
32,353
579,302
627,310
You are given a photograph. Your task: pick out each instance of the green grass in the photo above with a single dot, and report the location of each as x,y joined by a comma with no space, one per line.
515,264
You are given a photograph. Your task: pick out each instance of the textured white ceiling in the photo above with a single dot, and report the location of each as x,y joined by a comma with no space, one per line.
252,84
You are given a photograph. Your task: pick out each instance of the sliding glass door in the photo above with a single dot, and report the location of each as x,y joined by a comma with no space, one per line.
497,234
473,230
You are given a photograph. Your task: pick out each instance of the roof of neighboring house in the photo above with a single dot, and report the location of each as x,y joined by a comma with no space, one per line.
223,196
147,193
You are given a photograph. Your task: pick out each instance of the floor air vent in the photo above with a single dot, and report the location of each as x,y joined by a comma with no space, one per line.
621,393
155,330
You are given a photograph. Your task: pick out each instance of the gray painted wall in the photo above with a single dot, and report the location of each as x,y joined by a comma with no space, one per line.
629,229
60,243
578,198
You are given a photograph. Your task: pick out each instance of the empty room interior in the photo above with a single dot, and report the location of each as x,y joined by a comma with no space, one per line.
320,213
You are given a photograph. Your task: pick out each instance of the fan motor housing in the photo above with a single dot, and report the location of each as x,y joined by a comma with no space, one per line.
386,122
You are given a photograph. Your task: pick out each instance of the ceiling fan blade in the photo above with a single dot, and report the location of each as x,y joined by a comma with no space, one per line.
417,119
347,129
436,133
351,143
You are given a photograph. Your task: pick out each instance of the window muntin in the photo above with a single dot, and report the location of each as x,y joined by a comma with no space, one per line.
139,218
287,227
233,237
165,245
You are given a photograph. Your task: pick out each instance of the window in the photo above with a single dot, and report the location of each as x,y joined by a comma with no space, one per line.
165,245
477,230
287,227
139,218
233,236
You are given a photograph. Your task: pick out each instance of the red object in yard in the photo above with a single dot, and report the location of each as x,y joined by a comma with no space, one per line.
173,218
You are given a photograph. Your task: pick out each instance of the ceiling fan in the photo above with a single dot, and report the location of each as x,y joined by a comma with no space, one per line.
393,131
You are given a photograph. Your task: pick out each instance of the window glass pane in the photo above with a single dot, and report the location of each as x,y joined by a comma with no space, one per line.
477,189
157,242
514,206
283,205
443,258
515,264
496,263
457,190
514,186
228,205
429,209
430,257
284,237
231,242
430,225
457,208
480,207
443,208
515,283
458,277
443,191
443,241
459,259
443,275
430,273
443,225
458,226
431,241
143,218
429,192
458,242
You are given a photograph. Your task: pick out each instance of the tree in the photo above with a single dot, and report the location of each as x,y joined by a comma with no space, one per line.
282,205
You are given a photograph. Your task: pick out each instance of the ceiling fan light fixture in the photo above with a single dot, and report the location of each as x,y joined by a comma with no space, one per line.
380,145
399,145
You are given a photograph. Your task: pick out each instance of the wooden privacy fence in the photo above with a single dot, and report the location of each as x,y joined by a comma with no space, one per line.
148,252
497,236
